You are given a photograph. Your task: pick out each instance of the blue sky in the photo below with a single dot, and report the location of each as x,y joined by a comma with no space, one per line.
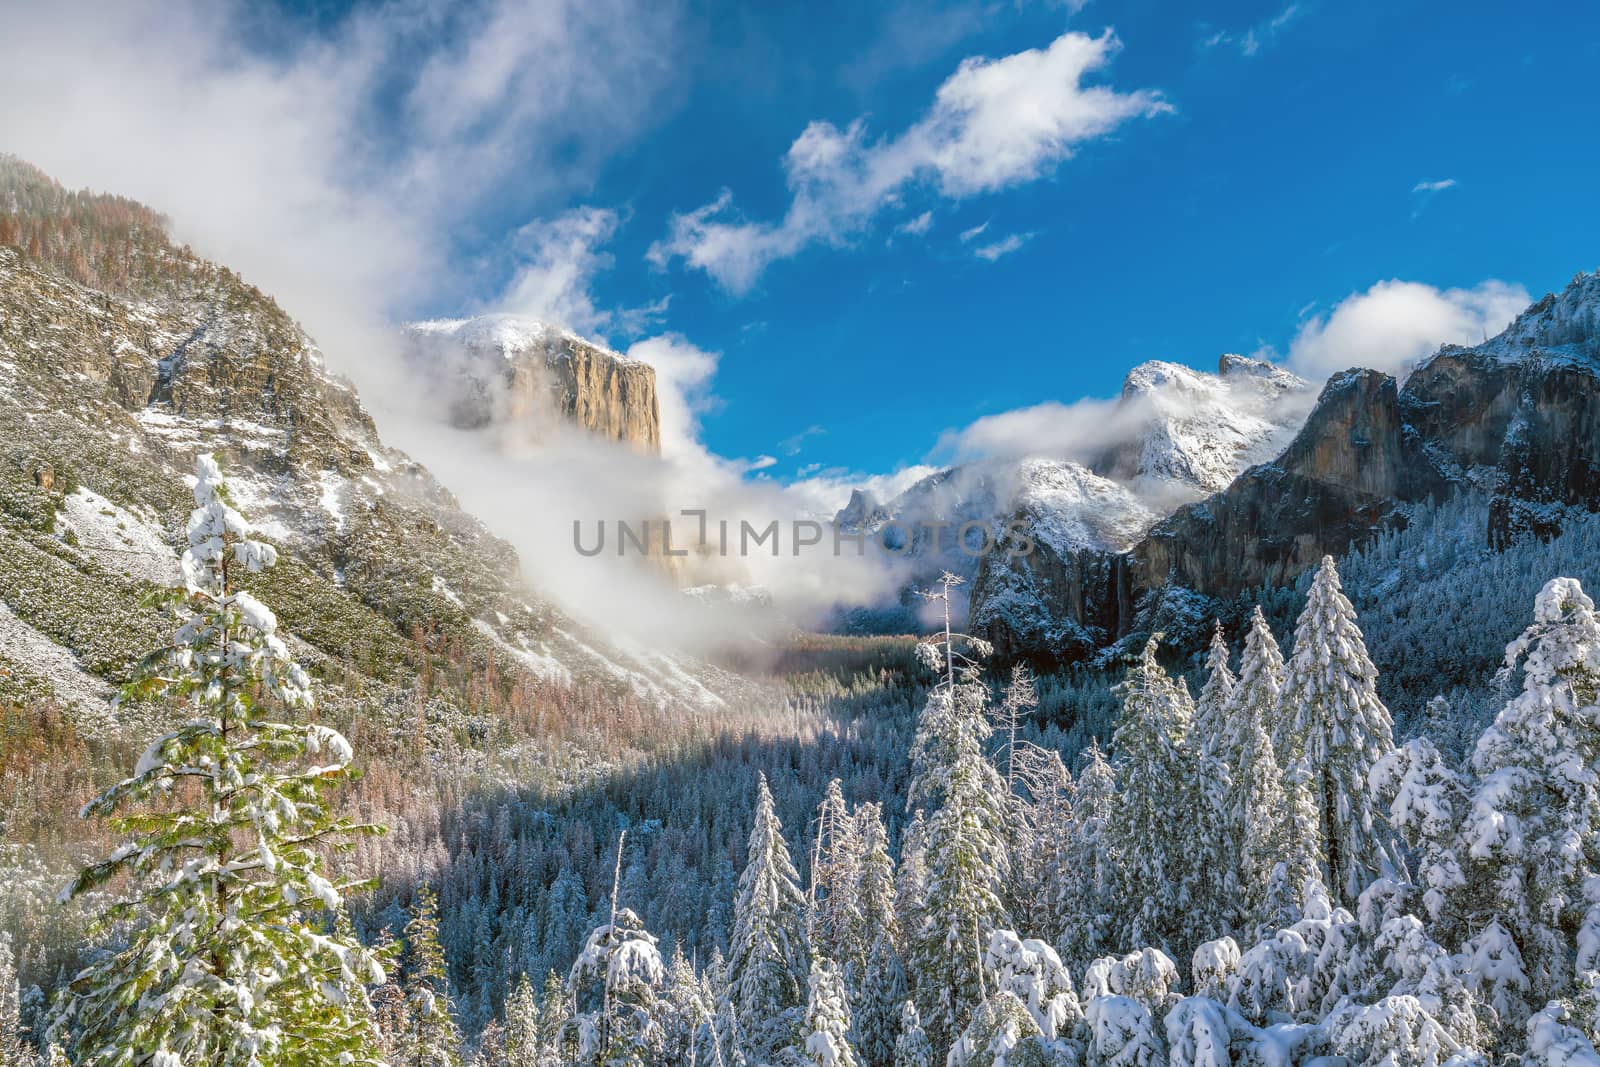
1230,176
1283,180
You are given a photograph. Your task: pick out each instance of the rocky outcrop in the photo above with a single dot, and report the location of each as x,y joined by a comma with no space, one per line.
530,379
1518,416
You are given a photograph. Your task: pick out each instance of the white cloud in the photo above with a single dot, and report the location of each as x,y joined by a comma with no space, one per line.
1434,187
1003,247
976,231
331,166
683,389
761,463
1252,40
558,260
994,123
1395,323
917,226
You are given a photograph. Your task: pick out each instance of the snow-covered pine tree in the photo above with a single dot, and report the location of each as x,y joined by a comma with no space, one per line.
389,1007
1088,871
432,1040
912,1048
825,1035
13,1053
880,994
556,1039
876,890
687,1006
1533,830
1163,828
767,957
521,1026
1216,695
839,931
1041,826
1257,694
614,985
963,840
1019,700
1335,722
225,909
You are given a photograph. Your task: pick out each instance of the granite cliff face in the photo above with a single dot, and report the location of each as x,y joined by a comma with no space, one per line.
1518,417
527,377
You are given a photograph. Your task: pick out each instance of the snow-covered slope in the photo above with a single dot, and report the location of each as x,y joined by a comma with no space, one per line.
1174,435
1194,432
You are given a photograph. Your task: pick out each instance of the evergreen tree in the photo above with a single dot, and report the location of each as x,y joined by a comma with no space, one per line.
1533,831
556,1044
1162,829
1088,872
389,1008
766,968
880,995
1216,695
1335,722
876,891
225,908
1257,696
432,1039
912,1048
521,1028
614,983
688,1006
825,1035
13,1052
963,844
839,930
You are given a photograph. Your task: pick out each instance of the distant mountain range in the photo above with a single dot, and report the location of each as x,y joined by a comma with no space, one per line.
1517,417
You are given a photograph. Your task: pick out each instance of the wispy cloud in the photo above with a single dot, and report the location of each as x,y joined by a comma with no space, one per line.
1434,187
917,226
791,446
993,124
974,232
1254,39
1003,247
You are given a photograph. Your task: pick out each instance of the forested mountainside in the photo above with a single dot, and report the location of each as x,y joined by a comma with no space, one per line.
882,853
1512,418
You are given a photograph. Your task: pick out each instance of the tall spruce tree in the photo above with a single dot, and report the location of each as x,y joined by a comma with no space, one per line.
229,958
433,1039
521,1027
1335,722
838,931
1216,695
1163,829
615,981
768,957
963,841
1088,877
825,1034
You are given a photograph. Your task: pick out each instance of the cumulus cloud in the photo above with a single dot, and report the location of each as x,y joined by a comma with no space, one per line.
993,124
1396,323
684,373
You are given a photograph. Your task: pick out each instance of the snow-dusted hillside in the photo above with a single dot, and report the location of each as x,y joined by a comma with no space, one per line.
1196,431
107,398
